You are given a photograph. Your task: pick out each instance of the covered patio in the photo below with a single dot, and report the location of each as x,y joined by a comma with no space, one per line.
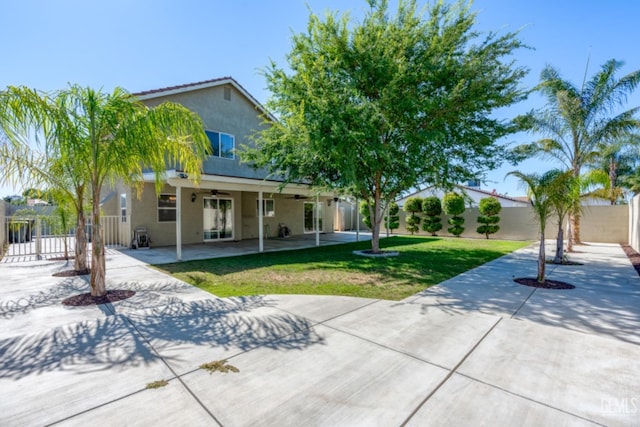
167,254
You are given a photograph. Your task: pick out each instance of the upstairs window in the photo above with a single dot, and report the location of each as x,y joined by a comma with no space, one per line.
222,144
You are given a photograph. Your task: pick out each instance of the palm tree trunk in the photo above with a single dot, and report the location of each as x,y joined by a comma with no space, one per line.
81,243
98,265
613,173
559,245
575,229
541,260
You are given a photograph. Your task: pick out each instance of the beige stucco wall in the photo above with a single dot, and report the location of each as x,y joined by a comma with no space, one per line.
237,116
288,211
605,224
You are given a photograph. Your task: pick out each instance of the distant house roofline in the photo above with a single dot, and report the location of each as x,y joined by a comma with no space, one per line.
467,188
205,84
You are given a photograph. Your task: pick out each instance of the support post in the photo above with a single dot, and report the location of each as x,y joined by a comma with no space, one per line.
179,223
317,220
260,223
357,220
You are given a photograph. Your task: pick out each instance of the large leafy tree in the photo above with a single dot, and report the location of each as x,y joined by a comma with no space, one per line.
578,123
104,138
389,103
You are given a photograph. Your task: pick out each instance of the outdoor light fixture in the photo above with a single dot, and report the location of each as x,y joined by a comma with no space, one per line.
193,197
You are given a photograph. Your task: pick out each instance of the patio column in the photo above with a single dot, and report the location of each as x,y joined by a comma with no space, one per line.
179,223
357,221
260,223
317,220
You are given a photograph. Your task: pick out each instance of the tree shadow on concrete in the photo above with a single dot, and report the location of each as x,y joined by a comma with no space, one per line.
130,339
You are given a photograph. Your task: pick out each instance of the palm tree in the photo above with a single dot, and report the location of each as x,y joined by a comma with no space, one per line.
540,189
33,124
112,137
564,195
578,122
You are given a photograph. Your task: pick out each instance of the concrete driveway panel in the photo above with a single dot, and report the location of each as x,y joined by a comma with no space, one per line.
341,381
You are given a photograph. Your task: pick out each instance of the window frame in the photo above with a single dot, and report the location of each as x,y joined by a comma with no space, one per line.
208,132
123,207
167,208
272,212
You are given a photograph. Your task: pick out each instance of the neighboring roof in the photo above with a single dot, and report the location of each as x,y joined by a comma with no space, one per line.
189,87
478,190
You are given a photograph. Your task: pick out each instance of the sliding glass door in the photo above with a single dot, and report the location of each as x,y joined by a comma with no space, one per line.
310,217
218,219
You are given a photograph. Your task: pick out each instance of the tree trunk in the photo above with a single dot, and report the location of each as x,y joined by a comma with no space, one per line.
541,260
559,245
613,172
98,265
81,243
575,229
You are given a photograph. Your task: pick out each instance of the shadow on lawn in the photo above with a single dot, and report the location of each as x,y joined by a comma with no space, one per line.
135,333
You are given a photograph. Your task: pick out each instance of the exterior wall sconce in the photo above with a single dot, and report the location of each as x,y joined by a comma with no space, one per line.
193,197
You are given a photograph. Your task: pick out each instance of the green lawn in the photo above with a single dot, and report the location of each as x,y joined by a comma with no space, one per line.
334,270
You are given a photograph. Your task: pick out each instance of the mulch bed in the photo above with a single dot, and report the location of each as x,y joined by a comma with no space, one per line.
71,273
547,284
61,258
633,256
86,299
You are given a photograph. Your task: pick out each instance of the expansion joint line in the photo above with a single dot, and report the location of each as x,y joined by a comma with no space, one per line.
450,374
175,374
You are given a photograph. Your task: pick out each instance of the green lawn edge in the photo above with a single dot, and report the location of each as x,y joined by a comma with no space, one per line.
335,270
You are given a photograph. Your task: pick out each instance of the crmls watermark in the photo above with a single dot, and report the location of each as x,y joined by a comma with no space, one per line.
625,405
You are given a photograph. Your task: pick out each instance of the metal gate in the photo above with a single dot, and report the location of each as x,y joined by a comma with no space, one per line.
29,238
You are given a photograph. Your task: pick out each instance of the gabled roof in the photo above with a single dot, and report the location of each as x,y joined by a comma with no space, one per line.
189,87
474,189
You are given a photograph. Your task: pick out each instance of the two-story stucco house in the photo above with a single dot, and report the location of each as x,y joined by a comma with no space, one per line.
233,201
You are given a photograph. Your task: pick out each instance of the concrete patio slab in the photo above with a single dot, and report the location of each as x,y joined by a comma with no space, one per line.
171,405
188,334
318,308
342,381
580,374
479,404
48,376
476,348
434,335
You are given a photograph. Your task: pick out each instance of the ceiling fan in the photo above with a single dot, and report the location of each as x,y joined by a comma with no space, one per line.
297,197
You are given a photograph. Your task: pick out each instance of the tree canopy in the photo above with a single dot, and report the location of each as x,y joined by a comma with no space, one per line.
389,103
579,123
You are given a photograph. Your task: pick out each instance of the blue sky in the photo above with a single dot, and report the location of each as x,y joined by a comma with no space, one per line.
144,44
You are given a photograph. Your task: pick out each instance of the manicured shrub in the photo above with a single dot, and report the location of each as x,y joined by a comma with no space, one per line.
413,205
453,204
392,219
432,209
364,212
489,209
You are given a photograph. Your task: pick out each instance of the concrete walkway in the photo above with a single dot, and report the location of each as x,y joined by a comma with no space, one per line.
477,349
